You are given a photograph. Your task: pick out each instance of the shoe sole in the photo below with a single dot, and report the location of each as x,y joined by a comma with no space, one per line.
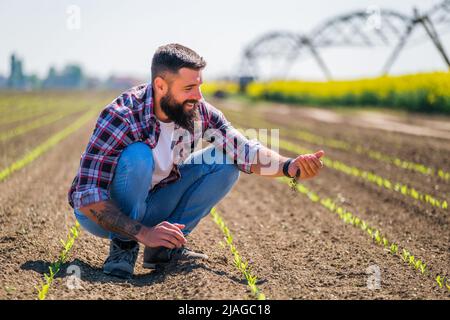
119,274
153,266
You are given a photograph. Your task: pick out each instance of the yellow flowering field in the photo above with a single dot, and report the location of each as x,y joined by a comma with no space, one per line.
426,92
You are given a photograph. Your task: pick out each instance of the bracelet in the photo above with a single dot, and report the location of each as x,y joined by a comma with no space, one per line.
286,167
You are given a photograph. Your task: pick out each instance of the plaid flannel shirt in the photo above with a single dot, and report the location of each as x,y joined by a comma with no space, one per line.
130,118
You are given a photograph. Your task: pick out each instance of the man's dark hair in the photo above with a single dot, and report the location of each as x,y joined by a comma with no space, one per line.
172,57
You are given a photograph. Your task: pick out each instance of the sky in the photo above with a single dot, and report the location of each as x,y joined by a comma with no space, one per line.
120,37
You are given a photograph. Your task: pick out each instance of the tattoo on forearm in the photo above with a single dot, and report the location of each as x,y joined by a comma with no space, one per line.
112,219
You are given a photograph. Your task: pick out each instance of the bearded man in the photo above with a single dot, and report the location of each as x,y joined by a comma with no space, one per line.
140,180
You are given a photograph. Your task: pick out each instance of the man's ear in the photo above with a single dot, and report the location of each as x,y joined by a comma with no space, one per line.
160,86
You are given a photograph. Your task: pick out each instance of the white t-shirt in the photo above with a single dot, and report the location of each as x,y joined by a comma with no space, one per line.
162,154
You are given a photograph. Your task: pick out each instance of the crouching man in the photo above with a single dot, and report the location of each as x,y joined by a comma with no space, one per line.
140,182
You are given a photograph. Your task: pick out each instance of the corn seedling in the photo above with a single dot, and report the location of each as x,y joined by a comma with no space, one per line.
377,237
405,255
363,226
423,268
440,281
394,248
55,267
417,264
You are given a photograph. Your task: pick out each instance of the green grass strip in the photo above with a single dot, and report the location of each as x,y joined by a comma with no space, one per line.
21,109
36,124
309,137
45,146
239,263
375,234
26,114
55,267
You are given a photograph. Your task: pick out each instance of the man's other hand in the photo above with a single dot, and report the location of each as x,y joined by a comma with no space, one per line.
309,165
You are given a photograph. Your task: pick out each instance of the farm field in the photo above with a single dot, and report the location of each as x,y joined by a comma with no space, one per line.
381,206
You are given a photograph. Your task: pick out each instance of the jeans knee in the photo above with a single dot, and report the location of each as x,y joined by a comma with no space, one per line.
223,163
137,157
231,173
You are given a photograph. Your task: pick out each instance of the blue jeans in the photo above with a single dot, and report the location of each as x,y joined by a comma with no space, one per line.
186,201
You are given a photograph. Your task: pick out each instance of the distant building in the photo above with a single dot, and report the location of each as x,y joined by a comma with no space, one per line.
16,79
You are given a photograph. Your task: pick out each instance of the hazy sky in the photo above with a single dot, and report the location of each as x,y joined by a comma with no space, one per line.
120,37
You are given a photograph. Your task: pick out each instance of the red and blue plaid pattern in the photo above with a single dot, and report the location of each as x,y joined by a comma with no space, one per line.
130,118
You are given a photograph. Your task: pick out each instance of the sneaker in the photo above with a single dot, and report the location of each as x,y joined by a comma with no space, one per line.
122,258
161,256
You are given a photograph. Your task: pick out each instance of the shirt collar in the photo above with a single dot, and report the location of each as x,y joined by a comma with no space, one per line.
149,99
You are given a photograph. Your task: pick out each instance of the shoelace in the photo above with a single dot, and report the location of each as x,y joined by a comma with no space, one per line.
174,251
180,251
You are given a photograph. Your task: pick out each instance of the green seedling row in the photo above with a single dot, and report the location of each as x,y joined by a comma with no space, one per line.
36,124
238,261
46,145
26,114
30,108
375,234
370,177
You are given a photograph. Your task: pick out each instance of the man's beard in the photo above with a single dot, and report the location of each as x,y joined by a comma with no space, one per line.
177,113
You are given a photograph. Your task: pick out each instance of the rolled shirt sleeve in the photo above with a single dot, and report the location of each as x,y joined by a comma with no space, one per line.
223,135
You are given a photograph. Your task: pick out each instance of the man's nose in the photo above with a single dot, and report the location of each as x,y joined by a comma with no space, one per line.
197,95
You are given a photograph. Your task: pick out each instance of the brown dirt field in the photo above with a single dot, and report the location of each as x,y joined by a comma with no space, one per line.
297,248
423,183
426,151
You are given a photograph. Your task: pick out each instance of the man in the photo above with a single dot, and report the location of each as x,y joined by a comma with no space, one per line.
140,182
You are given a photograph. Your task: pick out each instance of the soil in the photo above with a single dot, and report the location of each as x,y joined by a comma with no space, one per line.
297,248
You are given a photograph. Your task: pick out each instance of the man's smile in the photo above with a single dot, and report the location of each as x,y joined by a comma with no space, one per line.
190,106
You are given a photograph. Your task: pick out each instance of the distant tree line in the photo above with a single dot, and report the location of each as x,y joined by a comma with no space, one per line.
70,77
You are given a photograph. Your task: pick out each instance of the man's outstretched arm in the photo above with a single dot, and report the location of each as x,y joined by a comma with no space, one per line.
110,217
270,164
